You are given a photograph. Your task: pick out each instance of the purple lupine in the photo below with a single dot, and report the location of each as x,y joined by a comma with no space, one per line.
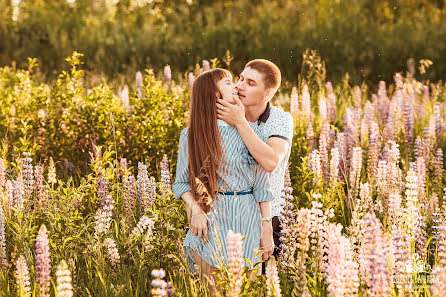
421,178
437,119
129,196
235,262
144,187
374,258
2,173
28,176
166,185
102,187
41,191
355,172
439,164
427,143
408,122
18,194
22,277
372,158
43,266
439,272
3,260
418,148
323,148
400,253
421,237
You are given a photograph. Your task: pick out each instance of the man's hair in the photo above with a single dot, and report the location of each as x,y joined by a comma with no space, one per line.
271,73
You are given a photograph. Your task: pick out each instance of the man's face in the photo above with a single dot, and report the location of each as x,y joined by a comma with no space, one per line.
250,87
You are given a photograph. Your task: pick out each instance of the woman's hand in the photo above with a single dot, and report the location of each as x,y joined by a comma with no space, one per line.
198,222
267,240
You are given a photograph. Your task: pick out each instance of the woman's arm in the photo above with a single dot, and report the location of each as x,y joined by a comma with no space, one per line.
196,216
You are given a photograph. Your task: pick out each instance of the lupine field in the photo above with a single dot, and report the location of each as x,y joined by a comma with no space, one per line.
87,207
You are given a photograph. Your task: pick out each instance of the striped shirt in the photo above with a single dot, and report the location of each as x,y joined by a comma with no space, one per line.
240,213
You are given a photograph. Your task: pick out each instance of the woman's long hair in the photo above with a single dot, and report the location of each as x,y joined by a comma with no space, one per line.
204,145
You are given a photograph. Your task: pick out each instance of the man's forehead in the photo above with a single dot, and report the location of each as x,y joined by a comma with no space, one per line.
249,73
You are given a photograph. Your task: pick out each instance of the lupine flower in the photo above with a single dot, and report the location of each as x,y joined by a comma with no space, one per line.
398,81
103,216
235,262
167,74
334,166
170,290
41,192
331,97
112,251
158,284
2,173
418,148
145,186
123,165
355,172
342,147
63,275
373,260
129,185
421,178
22,277
272,278
411,209
439,272
139,84
357,96
437,118
287,223
408,122
315,166
322,109
421,237
310,136
206,65
102,188
8,198
368,112
42,263
28,176
166,186
439,164
191,79
400,253
342,271
389,129
3,260
323,148
359,208
394,208
372,158
52,172
383,102
18,194
306,102
294,102
144,223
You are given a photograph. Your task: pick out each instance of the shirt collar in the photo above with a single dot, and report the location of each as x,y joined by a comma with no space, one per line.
222,123
265,115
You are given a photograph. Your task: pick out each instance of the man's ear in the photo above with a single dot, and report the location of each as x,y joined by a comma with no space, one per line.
268,94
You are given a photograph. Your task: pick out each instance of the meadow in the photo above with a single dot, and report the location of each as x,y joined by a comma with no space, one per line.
87,207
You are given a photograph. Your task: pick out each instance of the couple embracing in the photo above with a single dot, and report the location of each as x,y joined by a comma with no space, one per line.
231,165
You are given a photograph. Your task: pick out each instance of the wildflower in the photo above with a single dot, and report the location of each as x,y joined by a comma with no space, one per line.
42,262
18,194
322,109
408,122
355,171
372,159
272,278
123,165
359,207
294,102
374,258
331,106
41,193
437,119
418,148
323,148
206,65
112,251
158,284
2,173
145,187
411,209
287,222
167,74
235,262
315,166
421,177
52,172
102,186
8,198
28,176
103,216
439,272
191,79
144,223
334,166
310,136
139,84
3,260
22,276
166,186
306,102
64,286
438,171
129,185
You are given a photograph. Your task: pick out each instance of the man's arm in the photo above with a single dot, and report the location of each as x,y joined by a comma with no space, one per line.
268,154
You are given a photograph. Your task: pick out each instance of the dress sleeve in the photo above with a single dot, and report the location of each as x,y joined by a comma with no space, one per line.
262,185
181,184
282,128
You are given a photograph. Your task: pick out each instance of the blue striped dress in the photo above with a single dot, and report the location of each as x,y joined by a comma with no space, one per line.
240,213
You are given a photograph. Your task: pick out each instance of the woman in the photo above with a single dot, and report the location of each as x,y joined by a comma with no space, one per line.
222,185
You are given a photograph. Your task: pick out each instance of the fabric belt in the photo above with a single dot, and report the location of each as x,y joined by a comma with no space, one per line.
245,192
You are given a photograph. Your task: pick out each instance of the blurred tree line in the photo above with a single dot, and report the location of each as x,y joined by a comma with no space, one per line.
369,39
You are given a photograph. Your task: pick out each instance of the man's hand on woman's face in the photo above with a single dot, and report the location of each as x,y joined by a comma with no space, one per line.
233,114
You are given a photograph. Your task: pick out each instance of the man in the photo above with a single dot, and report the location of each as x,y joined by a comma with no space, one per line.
257,85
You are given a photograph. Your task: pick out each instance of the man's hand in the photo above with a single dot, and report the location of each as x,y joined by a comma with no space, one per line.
267,240
233,114
198,222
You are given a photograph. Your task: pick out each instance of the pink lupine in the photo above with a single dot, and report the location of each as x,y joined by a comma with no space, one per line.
18,194
426,93
331,97
418,148
421,178
191,79
28,176
334,166
41,190
374,258
235,262
294,102
323,148
2,173
287,224
206,65
427,143
124,97
323,109
408,122
306,102
167,74
42,263
355,172
400,253
139,84
368,112
272,279
22,277
372,158
166,185
310,136
123,165
315,165
438,168
439,271
398,81
3,260
394,213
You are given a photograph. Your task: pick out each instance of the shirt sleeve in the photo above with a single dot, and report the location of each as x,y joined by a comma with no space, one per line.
262,185
181,184
282,127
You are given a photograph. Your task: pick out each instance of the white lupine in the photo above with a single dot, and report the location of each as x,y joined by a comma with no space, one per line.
22,277
334,166
272,278
144,223
112,251
63,275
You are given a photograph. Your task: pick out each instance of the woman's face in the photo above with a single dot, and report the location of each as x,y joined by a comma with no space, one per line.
227,90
